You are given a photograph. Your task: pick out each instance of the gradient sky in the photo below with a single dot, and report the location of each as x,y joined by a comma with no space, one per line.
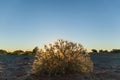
25,24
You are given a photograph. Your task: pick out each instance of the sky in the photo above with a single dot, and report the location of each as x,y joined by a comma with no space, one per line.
25,24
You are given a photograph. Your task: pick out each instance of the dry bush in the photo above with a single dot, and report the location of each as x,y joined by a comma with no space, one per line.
62,57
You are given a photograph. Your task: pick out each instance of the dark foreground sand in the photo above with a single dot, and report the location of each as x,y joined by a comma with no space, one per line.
15,67
106,66
18,67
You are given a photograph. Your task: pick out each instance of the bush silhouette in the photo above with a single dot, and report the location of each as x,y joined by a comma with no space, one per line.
103,51
3,51
35,50
17,52
28,53
94,51
62,57
115,51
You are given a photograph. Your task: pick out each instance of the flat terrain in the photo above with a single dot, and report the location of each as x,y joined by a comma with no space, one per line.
17,67
106,66
14,67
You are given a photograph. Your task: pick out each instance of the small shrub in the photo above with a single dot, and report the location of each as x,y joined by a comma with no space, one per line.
17,52
94,51
62,57
28,53
35,50
3,51
115,51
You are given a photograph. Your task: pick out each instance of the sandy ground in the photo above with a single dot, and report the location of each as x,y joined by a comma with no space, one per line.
106,66
17,67
12,67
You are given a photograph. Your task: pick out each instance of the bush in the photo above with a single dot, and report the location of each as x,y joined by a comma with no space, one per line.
35,50
115,51
3,51
28,53
94,51
62,57
17,52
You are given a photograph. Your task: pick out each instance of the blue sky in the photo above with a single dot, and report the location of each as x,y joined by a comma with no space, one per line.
25,24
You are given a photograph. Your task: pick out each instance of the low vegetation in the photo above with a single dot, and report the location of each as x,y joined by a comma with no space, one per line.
94,51
19,52
61,58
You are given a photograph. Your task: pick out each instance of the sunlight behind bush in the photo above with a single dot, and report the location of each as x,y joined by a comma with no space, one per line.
62,57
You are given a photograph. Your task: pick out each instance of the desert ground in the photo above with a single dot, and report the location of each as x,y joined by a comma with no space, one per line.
18,67
15,67
106,66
